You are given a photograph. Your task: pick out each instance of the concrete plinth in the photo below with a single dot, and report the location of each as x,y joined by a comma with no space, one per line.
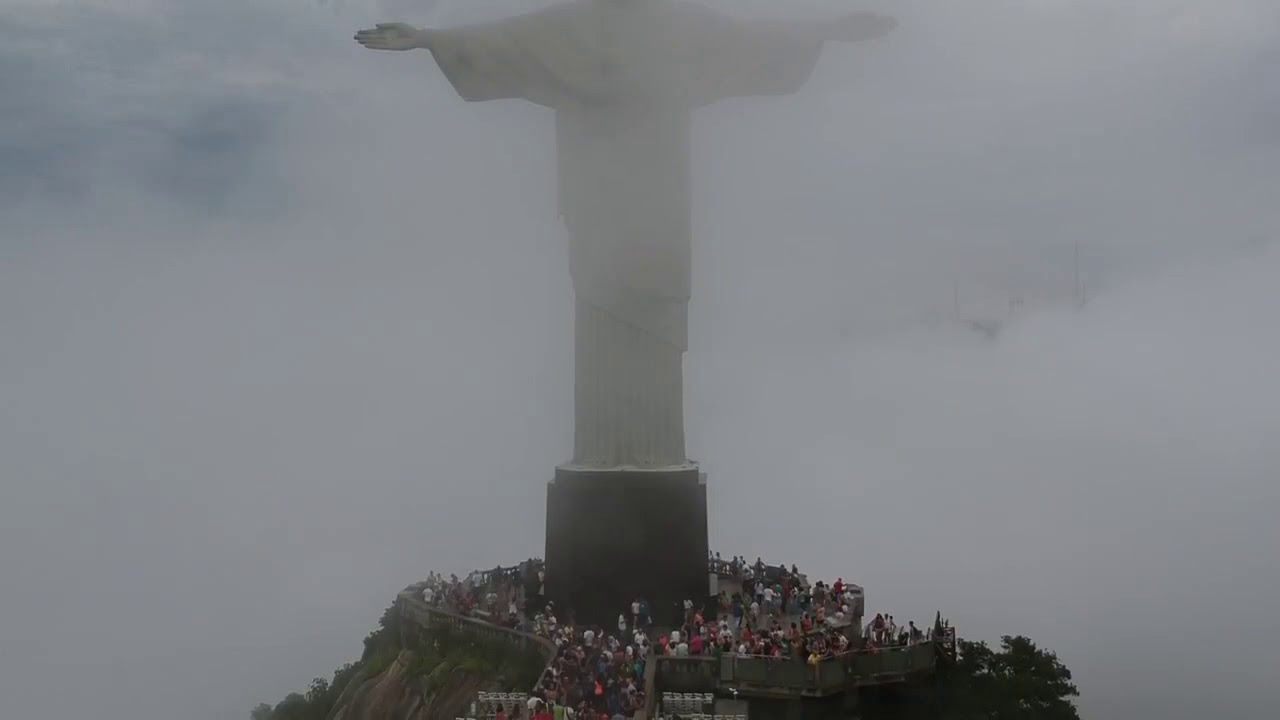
616,535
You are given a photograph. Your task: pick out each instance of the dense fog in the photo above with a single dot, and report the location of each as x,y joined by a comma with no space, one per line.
983,319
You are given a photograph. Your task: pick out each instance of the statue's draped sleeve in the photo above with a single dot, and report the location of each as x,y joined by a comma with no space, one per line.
591,52
728,58
537,57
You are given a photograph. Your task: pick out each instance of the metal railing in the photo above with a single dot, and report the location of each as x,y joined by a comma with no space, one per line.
415,609
794,675
487,704
685,704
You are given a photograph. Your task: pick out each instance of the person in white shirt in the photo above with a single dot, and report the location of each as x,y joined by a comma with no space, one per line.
682,650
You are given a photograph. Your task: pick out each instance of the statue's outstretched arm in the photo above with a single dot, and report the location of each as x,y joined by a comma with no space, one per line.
395,36
485,61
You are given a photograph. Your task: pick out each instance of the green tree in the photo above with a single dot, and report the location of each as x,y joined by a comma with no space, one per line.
1020,681
261,712
318,692
293,707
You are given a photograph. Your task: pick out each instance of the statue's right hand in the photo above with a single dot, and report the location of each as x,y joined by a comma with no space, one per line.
391,36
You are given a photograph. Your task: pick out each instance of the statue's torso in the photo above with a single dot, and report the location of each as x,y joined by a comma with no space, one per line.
623,77
625,199
633,68
635,51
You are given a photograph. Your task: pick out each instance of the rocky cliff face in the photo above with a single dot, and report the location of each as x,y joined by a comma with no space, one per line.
402,693
420,664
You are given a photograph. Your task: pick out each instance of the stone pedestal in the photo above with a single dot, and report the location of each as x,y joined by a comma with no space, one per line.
615,535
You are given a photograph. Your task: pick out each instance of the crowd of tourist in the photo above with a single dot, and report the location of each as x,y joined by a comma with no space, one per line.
495,596
778,613
773,611
598,673
594,674
884,631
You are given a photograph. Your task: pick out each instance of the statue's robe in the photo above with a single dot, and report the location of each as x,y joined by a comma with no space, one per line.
623,77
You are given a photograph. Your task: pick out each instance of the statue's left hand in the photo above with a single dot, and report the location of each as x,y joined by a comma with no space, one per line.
858,26
392,36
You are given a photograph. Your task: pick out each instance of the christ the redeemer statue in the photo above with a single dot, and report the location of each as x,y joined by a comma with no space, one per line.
623,77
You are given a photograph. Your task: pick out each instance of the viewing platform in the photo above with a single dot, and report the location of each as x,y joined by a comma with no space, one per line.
728,681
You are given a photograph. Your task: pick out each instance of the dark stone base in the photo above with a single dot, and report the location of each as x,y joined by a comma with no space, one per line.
617,535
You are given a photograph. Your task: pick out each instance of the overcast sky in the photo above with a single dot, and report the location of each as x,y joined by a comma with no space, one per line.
284,324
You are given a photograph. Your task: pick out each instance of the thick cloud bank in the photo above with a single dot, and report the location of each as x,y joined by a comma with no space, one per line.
285,325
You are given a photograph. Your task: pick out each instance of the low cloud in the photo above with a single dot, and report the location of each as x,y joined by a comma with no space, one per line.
287,325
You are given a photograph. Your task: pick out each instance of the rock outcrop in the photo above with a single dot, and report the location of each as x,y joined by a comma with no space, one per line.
399,693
